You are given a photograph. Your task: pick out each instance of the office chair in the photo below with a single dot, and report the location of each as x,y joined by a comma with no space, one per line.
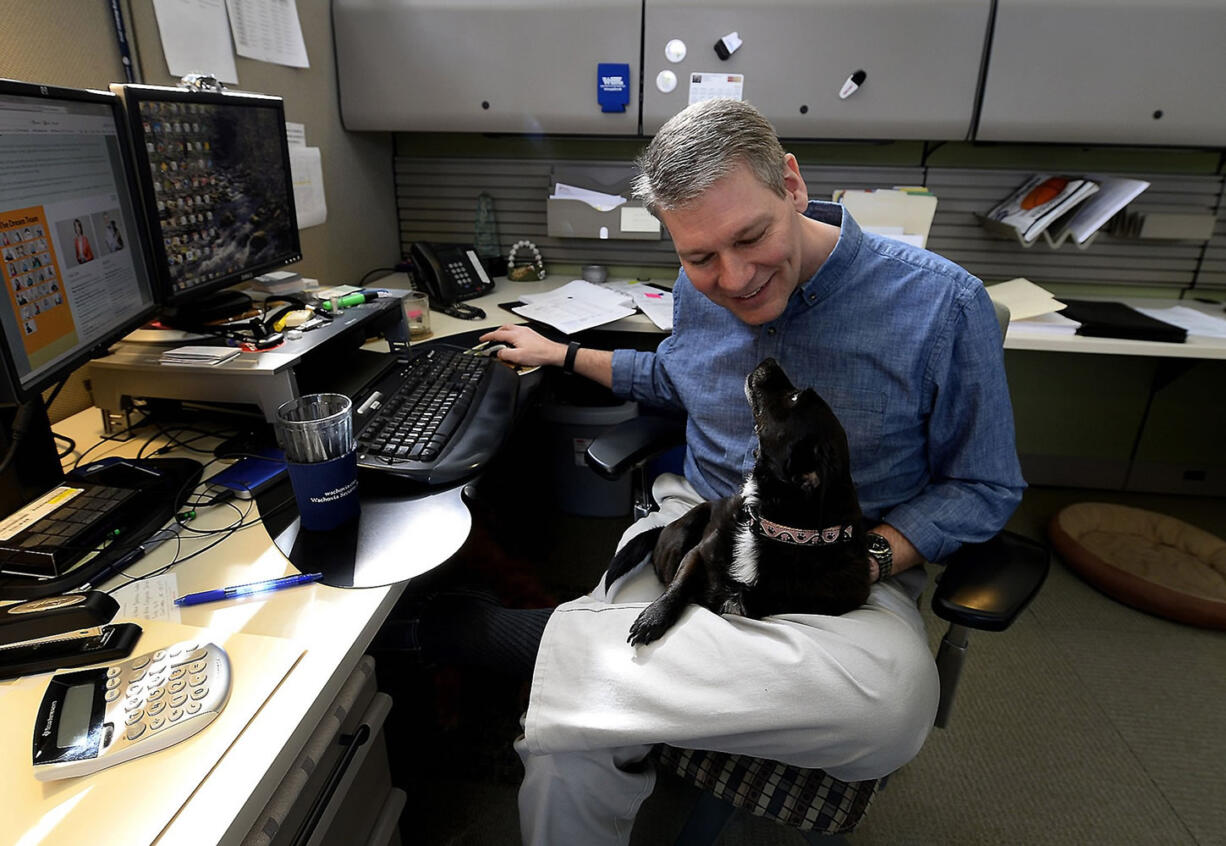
982,586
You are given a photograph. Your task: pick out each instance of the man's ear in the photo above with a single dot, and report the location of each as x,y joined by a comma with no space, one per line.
794,183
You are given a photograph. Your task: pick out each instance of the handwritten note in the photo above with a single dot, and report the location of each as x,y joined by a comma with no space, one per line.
149,599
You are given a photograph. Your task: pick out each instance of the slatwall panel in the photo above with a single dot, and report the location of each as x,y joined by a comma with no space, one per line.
437,201
957,235
1212,274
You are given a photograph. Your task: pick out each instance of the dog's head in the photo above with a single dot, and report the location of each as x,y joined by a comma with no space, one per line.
800,441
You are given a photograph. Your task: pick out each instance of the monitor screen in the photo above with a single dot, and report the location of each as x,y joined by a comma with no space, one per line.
72,243
217,186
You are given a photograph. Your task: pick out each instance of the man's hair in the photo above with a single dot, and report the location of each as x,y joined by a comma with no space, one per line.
702,144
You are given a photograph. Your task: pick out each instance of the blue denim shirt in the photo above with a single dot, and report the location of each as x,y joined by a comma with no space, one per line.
903,345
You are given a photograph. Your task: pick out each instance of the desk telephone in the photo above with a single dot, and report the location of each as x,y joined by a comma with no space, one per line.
449,273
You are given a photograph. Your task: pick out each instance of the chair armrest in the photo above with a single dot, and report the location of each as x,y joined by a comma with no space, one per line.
986,585
623,445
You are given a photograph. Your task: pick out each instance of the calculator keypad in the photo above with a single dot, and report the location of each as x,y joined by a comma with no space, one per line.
164,688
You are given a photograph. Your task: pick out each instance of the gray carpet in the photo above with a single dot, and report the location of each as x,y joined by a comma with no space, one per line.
1085,723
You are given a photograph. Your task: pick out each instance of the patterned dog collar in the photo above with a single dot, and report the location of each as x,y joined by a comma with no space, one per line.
801,537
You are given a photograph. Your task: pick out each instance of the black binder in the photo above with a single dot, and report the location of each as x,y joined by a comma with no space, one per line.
1116,320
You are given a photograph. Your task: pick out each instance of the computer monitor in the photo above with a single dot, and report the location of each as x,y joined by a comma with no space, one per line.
216,186
72,241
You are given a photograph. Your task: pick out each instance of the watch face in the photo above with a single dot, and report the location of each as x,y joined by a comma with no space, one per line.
878,545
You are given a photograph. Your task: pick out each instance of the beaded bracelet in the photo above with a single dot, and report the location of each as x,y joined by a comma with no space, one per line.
526,272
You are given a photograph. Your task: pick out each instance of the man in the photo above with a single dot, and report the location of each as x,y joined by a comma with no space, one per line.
905,347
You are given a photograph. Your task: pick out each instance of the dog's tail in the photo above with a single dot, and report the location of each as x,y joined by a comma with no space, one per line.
628,557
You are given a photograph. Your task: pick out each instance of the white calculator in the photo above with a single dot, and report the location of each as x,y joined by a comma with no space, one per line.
92,719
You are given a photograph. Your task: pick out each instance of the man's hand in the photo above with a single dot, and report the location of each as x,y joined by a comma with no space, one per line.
530,349
526,347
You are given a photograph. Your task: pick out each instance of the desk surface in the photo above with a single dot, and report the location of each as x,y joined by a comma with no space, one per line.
1023,335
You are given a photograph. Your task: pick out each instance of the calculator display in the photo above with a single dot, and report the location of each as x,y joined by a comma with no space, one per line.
74,722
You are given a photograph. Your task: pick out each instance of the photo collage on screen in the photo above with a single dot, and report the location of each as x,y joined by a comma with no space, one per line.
30,270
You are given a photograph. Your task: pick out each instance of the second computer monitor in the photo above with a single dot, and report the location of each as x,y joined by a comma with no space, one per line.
217,186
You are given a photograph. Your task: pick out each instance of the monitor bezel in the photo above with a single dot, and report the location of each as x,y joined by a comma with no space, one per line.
14,391
132,96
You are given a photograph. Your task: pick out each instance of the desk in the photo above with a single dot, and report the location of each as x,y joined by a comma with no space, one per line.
333,626
1121,414
1027,336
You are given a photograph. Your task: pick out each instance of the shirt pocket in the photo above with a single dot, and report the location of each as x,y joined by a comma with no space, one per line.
862,414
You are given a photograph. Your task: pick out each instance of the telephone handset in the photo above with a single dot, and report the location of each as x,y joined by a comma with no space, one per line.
450,273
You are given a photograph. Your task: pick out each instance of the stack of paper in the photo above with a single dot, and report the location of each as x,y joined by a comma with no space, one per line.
1024,299
580,305
904,213
576,306
198,356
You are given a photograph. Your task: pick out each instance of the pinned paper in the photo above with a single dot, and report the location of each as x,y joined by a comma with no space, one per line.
307,170
196,38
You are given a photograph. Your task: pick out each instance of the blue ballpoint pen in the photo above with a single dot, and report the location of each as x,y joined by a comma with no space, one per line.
265,586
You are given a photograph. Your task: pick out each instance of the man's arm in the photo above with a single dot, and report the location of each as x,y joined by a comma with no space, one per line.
530,349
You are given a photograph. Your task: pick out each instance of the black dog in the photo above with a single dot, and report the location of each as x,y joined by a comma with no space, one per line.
741,554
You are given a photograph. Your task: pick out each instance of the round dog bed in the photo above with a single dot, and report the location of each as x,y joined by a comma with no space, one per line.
1149,561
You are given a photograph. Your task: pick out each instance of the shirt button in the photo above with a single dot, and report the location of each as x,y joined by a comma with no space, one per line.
770,331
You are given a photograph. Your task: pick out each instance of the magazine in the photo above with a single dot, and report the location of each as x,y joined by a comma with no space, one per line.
1041,201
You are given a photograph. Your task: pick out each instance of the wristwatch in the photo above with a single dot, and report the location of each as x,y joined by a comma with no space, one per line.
881,551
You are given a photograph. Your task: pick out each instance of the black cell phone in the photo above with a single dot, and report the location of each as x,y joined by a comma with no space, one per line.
112,643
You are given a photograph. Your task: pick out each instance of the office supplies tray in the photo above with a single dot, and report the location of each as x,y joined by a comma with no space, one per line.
160,494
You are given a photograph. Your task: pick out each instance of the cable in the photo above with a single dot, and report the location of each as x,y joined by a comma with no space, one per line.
361,282
72,445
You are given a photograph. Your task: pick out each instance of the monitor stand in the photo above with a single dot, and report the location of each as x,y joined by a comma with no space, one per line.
184,324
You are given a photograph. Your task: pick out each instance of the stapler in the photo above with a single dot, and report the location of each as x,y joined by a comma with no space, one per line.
57,632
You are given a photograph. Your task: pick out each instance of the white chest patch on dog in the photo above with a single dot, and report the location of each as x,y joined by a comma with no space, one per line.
745,548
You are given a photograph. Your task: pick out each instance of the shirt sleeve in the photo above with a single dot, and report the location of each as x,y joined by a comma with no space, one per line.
975,481
642,377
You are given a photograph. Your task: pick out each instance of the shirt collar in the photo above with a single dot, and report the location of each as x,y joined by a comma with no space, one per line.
841,257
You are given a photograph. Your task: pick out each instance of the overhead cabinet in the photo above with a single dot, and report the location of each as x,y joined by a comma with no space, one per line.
522,66
1063,71
918,62
1107,72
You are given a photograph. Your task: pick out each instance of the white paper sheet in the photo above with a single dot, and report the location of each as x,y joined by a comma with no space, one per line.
595,199
295,134
576,306
149,599
638,219
268,30
1023,298
196,38
307,168
1196,322
658,306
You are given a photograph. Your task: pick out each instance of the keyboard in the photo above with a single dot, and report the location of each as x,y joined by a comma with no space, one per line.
61,527
436,416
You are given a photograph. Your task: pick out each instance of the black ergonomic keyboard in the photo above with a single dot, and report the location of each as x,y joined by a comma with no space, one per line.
436,416
61,527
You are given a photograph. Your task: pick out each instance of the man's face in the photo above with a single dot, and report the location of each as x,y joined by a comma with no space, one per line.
742,245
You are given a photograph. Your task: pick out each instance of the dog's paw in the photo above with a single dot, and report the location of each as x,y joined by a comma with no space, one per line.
648,627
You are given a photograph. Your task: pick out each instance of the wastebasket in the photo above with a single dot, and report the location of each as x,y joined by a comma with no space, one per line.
577,489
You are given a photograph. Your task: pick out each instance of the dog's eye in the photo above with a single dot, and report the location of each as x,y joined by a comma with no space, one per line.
795,397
